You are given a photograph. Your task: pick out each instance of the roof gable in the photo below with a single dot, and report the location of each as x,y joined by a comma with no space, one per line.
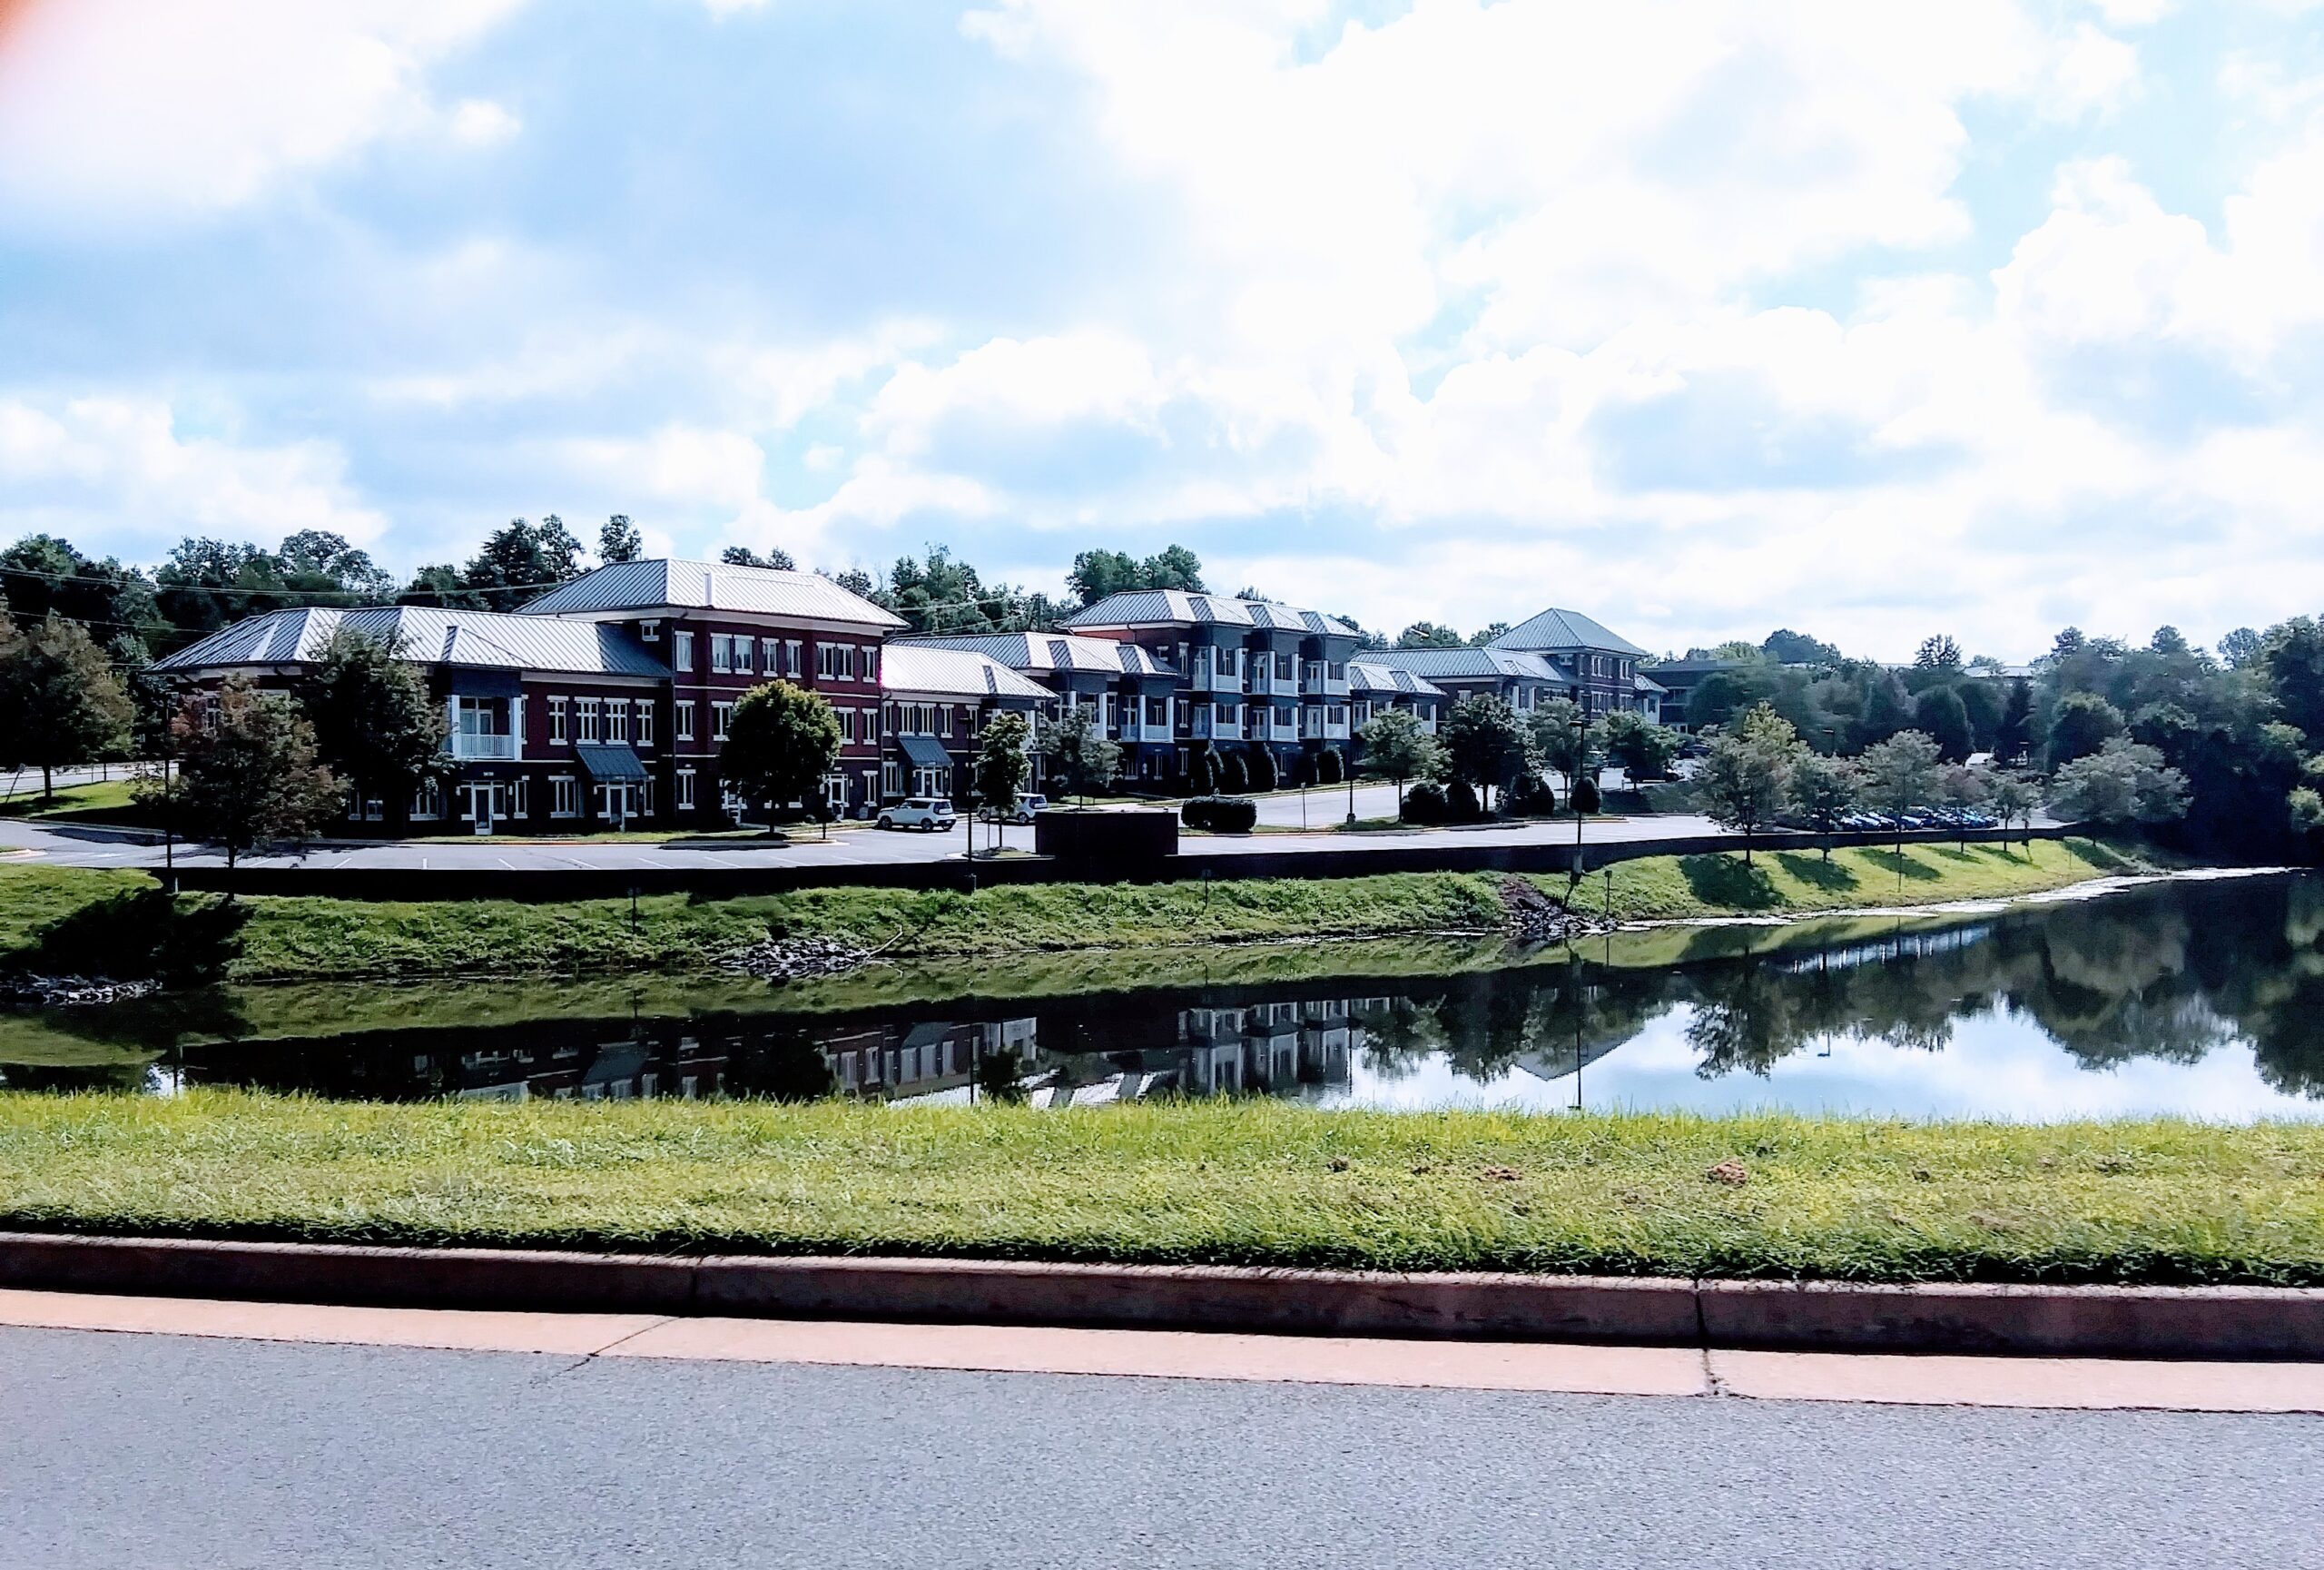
1558,631
652,584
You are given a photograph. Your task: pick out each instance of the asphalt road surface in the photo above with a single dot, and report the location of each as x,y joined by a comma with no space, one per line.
74,845
159,1451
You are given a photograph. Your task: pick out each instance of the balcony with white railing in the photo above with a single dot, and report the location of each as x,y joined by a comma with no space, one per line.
483,746
1150,732
1316,680
1267,682
1208,727
1219,674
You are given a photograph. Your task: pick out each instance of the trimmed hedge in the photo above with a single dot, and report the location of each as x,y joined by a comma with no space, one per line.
1220,814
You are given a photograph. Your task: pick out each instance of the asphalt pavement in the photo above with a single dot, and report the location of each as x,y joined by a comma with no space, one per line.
160,1451
854,844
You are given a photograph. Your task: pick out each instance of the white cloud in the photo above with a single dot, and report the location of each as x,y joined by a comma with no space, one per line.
118,469
678,466
480,123
120,108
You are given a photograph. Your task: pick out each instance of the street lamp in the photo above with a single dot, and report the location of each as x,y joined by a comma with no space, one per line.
1580,727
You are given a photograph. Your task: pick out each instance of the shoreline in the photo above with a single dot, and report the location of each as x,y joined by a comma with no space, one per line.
76,923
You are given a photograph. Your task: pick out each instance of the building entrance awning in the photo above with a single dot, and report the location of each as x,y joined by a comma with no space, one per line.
925,752
612,764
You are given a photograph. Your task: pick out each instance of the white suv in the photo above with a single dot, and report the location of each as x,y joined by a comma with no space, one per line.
1022,813
929,813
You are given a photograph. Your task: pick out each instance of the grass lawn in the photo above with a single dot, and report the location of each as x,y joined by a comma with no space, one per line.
121,922
102,797
1253,1182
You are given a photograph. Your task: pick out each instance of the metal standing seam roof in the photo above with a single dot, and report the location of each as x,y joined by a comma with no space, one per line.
1467,663
428,635
1364,676
1647,684
1558,631
1174,607
914,667
1051,651
659,581
925,751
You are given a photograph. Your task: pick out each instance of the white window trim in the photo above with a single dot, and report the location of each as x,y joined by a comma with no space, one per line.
559,730
685,720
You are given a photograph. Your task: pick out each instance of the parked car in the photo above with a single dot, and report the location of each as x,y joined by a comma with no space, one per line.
927,813
1022,813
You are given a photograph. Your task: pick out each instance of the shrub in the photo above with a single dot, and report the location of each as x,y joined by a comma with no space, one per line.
1460,803
1585,798
1426,803
1532,797
1202,773
1264,776
1330,767
1302,771
1220,814
1233,778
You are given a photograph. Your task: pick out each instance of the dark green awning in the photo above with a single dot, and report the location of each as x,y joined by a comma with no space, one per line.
611,765
925,752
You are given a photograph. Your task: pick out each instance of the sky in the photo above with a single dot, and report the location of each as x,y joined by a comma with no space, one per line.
1705,318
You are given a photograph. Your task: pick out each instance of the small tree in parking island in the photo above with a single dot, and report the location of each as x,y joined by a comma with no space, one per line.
246,774
1484,744
1746,772
1397,747
781,742
1079,748
1003,763
1643,748
1900,776
1826,790
2014,798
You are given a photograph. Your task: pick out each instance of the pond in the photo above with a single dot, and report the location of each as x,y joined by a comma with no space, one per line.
2196,996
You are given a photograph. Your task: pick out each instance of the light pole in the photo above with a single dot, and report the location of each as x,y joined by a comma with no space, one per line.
1573,787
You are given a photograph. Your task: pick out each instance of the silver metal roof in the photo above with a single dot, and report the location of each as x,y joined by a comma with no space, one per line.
1560,631
1470,664
1173,607
1052,651
428,635
1362,675
709,586
916,668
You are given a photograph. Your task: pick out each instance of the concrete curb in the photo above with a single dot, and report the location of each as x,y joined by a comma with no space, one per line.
2190,1322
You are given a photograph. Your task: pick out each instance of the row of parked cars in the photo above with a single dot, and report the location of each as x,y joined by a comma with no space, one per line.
1924,818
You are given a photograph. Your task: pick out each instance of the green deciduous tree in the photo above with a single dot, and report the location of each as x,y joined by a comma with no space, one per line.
1397,747
1642,748
1824,790
1746,772
780,561
1940,711
618,540
2084,722
781,742
1077,746
1484,744
1004,763
2124,782
1428,634
2013,737
59,701
376,726
246,774
2014,798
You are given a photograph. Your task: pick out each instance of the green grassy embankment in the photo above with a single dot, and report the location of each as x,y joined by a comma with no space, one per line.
112,923
1253,1182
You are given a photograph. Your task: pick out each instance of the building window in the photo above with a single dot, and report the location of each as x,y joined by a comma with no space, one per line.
871,664
557,719
722,654
617,719
649,631
428,801
589,710
524,808
564,796
892,779
947,720
846,717
685,708
686,790
646,722
682,651
722,715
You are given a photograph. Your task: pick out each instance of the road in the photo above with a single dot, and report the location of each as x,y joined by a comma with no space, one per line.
160,1451
856,844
